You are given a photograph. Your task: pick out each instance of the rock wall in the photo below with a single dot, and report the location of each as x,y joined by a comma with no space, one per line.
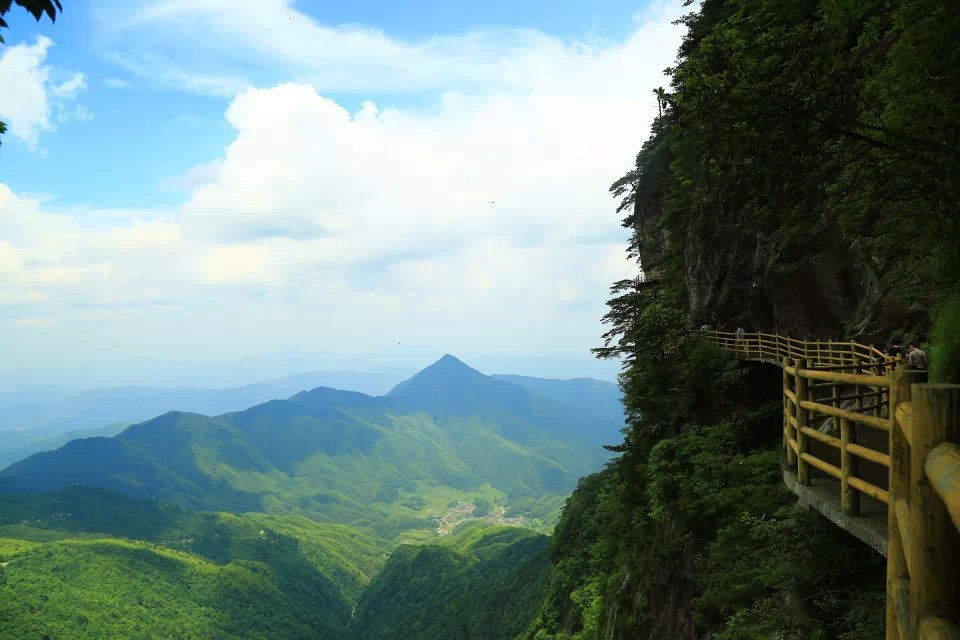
816,286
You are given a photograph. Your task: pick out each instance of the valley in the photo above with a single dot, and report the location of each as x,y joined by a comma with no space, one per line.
239,524
236,238
463,512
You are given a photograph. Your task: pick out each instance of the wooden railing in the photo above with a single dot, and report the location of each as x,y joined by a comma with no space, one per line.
648,278
773,347
884,415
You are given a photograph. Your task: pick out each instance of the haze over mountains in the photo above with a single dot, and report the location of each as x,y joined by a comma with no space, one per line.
45,424
343,456
327,482
98,407
276,521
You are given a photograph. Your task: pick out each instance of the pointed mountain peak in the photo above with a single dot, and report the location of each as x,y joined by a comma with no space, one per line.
446,373
450,362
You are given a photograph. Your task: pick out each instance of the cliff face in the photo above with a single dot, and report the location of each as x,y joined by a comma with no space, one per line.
797,180
815,286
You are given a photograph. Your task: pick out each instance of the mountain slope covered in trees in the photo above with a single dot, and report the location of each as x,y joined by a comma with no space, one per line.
801,178
479,583
90,563
386,463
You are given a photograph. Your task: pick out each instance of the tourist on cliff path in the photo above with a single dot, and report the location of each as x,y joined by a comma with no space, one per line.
895,350
916,358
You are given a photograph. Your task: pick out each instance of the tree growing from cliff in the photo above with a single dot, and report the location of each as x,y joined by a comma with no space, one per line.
784,120
37,8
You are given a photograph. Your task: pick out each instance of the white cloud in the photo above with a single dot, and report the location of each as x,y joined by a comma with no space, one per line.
484,223
30,95
236,264
222,47
33,322
69,88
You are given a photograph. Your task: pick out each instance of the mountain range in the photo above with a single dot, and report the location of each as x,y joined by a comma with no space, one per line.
47,423
387,463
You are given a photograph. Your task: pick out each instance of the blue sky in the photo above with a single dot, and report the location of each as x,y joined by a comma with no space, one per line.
216,178
174,130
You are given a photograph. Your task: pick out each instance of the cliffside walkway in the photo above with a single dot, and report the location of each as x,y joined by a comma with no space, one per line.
875,449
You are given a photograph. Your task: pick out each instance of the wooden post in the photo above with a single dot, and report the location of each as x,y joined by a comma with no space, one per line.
803,390
935,550
898,487
836,404
789,410
859,371
849,497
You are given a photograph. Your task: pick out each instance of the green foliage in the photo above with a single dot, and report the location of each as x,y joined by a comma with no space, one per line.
945,355
482,582
37,8
661,360
689,532
340,457
701,477
171,595
791,131
130,568
790,575
481,507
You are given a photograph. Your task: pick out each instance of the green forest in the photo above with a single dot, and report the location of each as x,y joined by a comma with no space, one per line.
799,146
802,176
386,464
332,494
91,563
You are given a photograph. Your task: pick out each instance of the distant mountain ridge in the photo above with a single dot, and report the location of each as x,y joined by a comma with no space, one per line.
343,456
598,398
41,426
17,445
98,407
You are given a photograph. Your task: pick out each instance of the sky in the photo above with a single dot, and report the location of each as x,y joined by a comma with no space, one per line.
353,184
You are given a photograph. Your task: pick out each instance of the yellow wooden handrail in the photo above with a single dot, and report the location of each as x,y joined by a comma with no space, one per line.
943,469
772,346
922,423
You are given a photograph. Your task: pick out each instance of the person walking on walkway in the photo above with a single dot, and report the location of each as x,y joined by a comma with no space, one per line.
895,350
916,357
741,339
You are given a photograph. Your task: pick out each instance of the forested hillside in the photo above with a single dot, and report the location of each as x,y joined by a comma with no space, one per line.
480,583
389,464
801,177
448,446
90,563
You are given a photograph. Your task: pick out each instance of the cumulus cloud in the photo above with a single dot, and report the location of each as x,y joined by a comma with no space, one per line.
31,97
34,322
71,258
481,223
222,46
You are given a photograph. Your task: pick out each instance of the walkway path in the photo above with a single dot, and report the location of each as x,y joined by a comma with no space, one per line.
860,433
